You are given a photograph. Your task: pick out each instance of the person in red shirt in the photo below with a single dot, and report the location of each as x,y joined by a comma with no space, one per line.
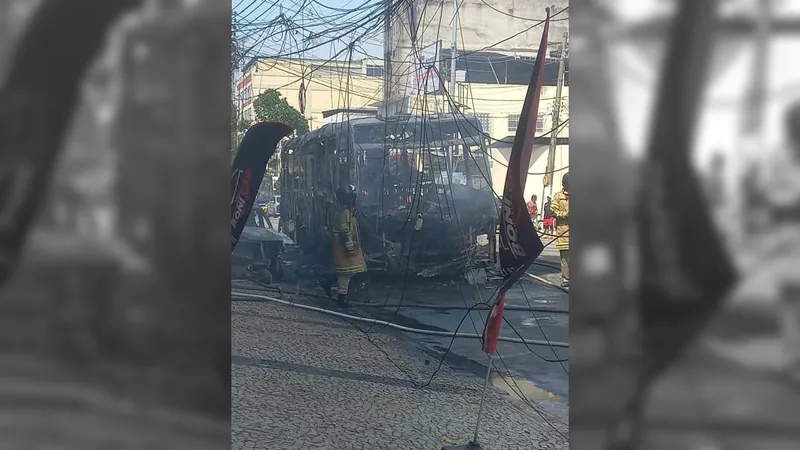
549,219
533,210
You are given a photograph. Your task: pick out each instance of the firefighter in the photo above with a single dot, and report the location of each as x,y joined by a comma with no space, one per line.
560,207
348,258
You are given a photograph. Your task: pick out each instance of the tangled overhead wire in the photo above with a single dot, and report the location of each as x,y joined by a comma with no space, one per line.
306,26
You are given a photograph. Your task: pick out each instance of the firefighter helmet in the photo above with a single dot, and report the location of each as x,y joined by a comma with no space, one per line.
346,195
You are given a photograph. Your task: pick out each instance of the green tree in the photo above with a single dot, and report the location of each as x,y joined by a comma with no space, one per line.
270,105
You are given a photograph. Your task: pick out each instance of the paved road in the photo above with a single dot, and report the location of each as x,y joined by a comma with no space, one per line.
535,377
552,377
301,379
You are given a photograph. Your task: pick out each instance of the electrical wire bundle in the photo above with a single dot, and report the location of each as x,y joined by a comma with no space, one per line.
304,29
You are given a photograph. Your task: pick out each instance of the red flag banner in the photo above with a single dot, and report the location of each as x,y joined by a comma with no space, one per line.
520,244
491,332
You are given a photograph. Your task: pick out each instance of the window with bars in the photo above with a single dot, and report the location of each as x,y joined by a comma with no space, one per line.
374,71
486,122
513,123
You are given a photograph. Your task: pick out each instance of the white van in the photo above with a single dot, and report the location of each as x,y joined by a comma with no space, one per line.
274,206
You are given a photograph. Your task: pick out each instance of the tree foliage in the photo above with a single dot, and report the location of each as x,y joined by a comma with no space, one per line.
271,106
234,118
237,121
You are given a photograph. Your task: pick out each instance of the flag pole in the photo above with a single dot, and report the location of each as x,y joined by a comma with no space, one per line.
474,445
520,244
490,337
483,397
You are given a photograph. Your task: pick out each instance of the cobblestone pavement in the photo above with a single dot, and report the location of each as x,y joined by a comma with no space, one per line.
303,380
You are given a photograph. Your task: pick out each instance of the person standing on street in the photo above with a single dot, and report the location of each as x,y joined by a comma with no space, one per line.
560,207
533,210
262,218
548,216
348,258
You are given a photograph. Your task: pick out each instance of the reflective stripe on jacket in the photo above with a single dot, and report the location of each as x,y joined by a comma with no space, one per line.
560,207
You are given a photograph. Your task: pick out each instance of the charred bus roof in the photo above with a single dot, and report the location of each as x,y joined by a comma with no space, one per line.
439,129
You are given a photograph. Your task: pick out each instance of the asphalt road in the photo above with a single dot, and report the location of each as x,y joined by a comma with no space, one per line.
537,365
528,363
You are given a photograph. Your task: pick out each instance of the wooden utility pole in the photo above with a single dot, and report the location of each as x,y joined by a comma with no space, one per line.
454,51
551,155
453,81
388,50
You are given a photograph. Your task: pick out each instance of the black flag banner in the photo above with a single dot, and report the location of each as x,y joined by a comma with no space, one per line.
255,150
520,244
686,273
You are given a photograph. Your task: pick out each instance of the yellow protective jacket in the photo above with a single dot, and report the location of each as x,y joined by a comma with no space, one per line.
560,207
347,255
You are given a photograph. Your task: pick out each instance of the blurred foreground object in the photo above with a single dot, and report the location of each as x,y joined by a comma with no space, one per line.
32,97
686,273
783,180
606,356
784,202
172,125
95,357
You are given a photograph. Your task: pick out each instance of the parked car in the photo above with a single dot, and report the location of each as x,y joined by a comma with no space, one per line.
258,252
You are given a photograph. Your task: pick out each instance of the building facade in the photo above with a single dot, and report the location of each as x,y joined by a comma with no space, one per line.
498,108
510,27
493,88
311,86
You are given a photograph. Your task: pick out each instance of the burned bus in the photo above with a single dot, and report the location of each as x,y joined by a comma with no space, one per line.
425,205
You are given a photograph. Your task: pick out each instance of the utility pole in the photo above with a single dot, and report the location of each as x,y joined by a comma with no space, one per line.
551,155
236,95
388,47
453,103
454,53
